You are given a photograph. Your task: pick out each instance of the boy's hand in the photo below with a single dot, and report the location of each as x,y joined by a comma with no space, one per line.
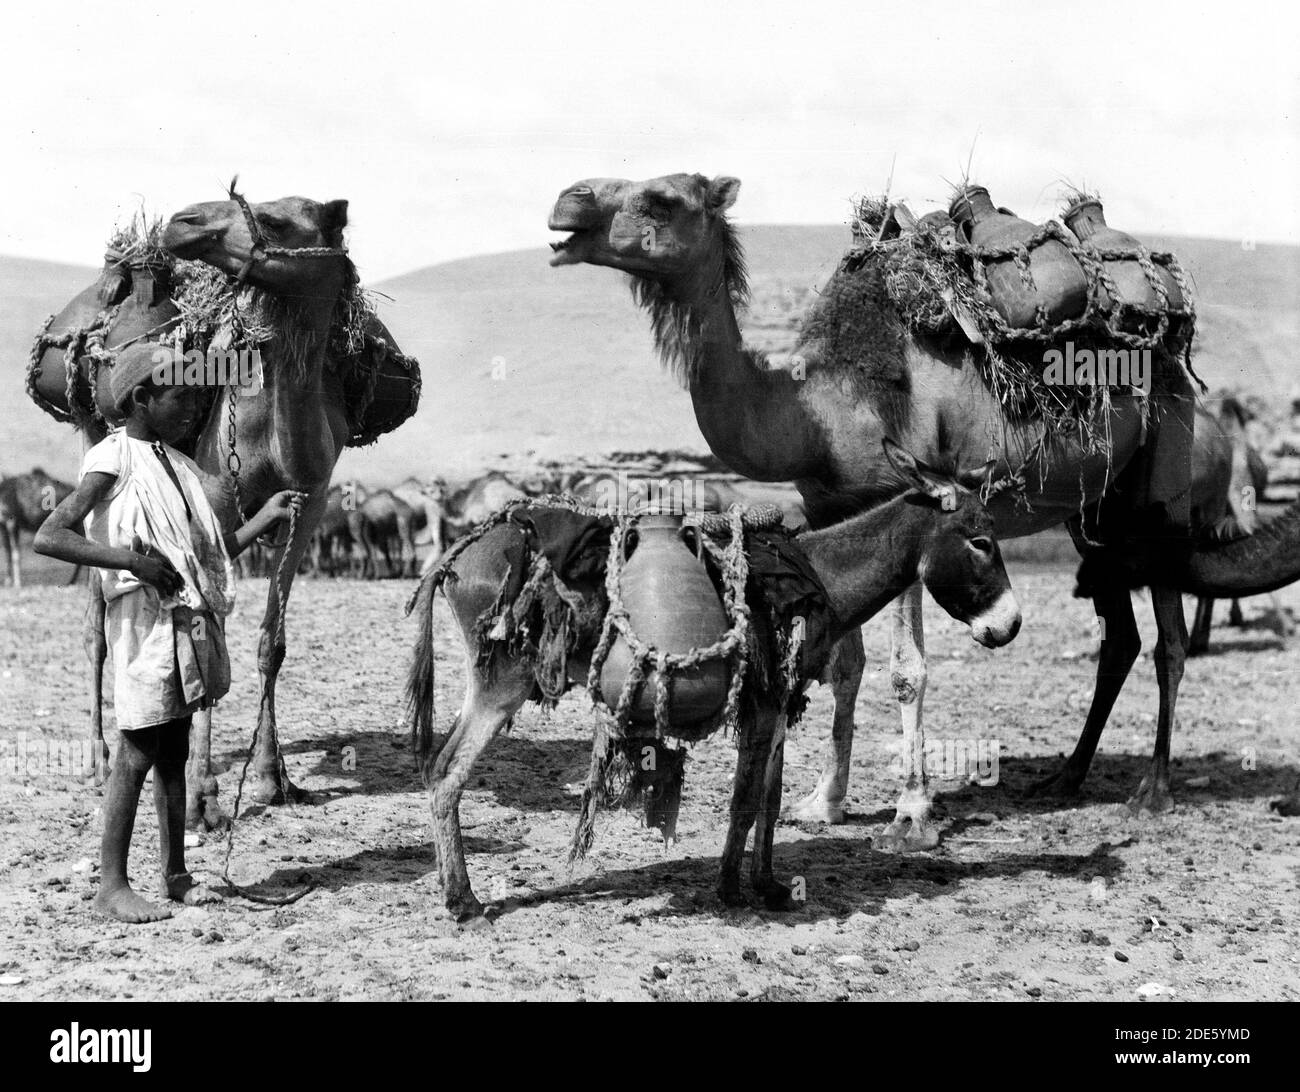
152,567
277,509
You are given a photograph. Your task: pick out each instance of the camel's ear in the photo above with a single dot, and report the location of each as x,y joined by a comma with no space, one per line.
723,192
978,477
930,482
333,219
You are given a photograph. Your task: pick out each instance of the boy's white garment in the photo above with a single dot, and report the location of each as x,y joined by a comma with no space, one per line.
169,654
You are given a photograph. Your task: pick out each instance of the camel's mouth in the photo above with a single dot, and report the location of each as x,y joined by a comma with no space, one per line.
185,239
569,250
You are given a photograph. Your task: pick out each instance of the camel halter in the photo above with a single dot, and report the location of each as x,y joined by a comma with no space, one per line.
261,249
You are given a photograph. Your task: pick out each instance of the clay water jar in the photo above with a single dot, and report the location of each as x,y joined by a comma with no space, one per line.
1087,221
674,607
1060,286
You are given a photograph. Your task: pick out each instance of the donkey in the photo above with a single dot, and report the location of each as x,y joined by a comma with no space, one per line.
936,530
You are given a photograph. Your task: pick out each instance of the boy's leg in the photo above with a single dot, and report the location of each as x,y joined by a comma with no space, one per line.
169,796
135,754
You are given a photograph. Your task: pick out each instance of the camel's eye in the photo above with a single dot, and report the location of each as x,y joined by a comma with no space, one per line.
982,543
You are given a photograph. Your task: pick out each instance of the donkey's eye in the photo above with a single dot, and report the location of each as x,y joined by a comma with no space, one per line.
982,543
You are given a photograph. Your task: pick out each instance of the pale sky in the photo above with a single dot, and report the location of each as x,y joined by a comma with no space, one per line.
451,128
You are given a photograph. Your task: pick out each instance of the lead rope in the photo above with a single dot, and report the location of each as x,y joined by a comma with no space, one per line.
233,465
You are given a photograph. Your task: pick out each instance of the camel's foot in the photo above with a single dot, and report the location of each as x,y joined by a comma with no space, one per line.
1065,782
466,909
202,811
125,905
185,889
1287,805
1152,798
908,834
815,808
271,789
775,895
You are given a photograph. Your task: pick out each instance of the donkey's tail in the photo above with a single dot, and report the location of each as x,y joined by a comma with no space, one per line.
419,681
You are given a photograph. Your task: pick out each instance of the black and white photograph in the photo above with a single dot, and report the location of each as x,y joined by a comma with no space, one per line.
686,502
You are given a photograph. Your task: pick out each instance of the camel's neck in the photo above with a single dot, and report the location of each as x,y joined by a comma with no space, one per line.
869,560
753,419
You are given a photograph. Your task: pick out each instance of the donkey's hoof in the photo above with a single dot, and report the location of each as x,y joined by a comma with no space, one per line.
203,813
1152,798
815,808
908,836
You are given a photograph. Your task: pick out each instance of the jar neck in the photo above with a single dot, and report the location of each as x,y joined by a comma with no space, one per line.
1084,218
971,204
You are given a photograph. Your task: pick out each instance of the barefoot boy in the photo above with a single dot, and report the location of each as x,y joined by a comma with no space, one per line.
164,565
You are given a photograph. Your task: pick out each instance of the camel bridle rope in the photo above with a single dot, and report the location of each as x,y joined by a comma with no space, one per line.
261,249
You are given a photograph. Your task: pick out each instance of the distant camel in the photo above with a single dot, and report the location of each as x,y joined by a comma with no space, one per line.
819,420
386,525
25,502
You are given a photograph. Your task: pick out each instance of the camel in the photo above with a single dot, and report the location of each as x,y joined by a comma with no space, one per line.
819,419
387,524
466,507
1239,479
338,540
935,530
290,436
25,501
423,499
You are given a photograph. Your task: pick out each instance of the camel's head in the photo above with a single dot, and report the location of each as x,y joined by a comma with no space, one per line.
218,233
660,228
961,564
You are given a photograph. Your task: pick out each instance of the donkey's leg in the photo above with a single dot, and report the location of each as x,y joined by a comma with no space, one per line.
1170,655
752,750
776,896
1235,617
825,804
271,784
202,812
912,828
486,710
1120,645
1200,638
96,646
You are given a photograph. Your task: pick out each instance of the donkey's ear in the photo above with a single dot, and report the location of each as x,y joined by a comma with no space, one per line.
333,218
978,477
723,192
930,482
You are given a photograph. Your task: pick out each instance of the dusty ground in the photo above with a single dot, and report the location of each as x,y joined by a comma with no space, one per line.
1063,900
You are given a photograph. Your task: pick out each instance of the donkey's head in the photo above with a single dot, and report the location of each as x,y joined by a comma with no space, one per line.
959,562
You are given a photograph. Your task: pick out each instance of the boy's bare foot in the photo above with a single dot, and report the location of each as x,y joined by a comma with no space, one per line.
184,888
125,905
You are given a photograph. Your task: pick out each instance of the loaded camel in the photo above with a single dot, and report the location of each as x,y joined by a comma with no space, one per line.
934,529
819,422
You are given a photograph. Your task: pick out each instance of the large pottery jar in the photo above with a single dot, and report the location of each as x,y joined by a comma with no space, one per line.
1087,221
1059,284
672,606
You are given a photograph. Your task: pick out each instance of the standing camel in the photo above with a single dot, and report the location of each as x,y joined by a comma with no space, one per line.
819,422
288,436
25,502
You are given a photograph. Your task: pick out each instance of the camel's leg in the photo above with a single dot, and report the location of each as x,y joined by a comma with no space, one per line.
1283,625
1170,655
776,895
913,828
271,784
4,553
202,812
1235,617
752,750
825,804
486,710
406,537
14,535
96,645
1200,638
1119,650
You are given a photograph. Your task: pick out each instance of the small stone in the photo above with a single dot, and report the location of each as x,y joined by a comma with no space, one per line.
1197,782
1085,936
11,980
1121,957
850,961
1034,991
1179,955
661,970
1257,846
1260,959
192,840
798,949
1154,989
749,955
911,946
84,865
213,938
879,968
